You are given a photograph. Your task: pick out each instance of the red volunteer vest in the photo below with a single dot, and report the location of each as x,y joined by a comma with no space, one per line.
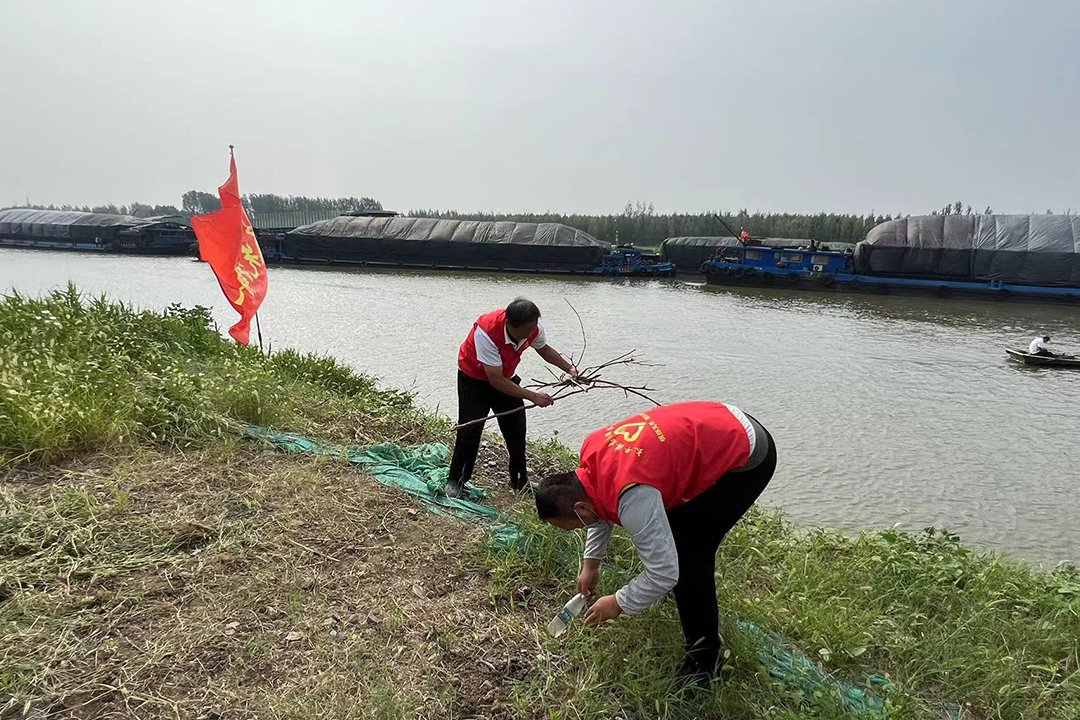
681,450
494,324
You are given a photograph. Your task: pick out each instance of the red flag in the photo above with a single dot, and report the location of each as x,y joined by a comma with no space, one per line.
227,242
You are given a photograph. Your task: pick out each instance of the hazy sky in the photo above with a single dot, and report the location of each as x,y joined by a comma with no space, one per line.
574,106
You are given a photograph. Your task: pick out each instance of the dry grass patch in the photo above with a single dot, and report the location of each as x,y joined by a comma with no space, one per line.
240,583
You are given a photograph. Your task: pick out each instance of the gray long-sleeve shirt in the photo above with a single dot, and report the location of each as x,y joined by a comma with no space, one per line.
641,510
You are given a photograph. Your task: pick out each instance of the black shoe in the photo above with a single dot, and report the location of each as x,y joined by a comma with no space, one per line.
700,668
521,487
454,489
519,480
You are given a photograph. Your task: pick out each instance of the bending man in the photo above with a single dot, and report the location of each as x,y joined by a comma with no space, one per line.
677,477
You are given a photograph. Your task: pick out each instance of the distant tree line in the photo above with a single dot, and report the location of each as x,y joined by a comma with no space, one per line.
957,208
638,223
197,202
136,208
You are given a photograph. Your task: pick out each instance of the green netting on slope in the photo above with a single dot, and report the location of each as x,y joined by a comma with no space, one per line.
796,669
783,662
421,470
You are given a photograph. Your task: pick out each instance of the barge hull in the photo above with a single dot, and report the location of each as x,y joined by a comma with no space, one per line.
873,285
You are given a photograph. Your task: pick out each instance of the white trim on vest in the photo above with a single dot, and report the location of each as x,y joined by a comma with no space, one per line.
751,434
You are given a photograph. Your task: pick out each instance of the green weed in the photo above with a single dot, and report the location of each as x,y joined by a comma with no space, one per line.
81,374
952,630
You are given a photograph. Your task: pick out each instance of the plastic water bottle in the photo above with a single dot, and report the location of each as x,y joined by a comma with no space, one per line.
569,611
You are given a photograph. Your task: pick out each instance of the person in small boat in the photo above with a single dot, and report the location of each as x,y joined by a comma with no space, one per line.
677,478
1038,347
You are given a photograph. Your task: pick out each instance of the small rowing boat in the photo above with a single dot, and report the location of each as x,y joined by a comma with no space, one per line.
1044,360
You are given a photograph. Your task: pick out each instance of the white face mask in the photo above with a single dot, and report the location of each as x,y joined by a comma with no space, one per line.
588,526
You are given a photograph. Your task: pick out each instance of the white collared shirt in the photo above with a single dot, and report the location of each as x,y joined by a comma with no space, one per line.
488,354
1036,345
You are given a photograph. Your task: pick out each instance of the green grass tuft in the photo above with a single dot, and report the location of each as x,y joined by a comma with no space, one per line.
79,375
949,628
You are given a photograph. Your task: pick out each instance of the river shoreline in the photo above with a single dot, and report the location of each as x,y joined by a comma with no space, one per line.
889,409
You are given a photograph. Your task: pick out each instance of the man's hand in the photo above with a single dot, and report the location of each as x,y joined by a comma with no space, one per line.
541,399
588,579
604,609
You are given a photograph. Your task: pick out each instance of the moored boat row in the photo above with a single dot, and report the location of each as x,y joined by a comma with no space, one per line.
1034,258
829,271
1021,257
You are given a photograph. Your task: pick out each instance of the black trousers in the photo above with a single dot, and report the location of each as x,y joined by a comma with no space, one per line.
698,528
476,398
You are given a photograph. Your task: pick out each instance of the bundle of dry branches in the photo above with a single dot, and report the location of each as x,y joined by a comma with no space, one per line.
588,380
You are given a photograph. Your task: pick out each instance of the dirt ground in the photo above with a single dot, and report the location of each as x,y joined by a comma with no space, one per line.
241,583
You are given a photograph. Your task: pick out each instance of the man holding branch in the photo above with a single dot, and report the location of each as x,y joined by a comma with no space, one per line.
486,382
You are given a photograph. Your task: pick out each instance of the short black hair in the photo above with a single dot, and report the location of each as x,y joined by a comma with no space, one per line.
557,494
1046,338
521,311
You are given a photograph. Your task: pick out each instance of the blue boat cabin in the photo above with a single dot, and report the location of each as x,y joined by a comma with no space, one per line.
782,261
632,261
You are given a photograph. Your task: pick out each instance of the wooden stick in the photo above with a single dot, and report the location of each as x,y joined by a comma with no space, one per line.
564,387
584,337
633,391
522,408
311,549
558,395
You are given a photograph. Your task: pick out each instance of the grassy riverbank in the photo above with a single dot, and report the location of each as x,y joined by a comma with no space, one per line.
155,564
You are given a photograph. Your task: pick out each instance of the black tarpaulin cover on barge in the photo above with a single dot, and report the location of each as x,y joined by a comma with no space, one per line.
1014,249
460,243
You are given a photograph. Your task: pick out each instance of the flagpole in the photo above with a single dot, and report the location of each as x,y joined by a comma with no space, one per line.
258,325
258,330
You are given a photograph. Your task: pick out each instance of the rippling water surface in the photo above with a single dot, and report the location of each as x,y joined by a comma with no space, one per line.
886,410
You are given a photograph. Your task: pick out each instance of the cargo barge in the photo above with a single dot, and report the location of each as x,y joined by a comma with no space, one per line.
363,239
69,230
1000,257
385,239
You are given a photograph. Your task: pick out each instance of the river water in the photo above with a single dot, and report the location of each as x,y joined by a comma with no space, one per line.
885,410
